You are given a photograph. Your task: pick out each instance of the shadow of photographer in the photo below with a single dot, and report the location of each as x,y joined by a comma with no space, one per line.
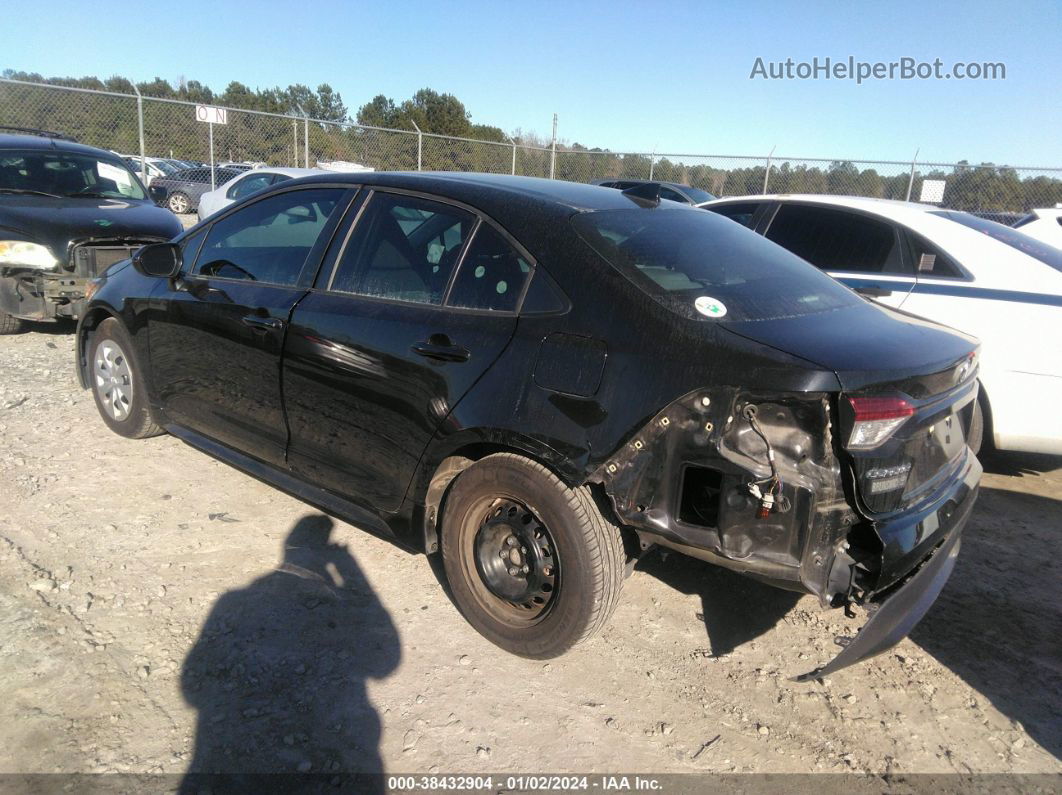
278,674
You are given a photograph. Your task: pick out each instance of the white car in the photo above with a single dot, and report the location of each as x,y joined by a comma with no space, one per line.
156,167
245,184
977,276
1045,225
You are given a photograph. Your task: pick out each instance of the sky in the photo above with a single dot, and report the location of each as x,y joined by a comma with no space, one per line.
669,77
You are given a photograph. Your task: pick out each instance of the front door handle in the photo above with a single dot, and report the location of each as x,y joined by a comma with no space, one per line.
440,348
873,292
259,323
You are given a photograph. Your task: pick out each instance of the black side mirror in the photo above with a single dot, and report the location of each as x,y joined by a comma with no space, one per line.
159,259
157,193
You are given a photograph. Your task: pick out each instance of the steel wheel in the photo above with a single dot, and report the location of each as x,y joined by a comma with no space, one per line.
178,203
517,562
113,379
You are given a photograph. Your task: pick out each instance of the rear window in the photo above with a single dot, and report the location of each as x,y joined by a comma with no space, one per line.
699,196
1047,254
679,255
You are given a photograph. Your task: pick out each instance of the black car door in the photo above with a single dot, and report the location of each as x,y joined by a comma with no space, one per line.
216,343
422,298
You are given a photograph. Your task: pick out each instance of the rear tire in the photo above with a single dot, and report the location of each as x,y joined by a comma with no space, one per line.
533,565
10,324
117,383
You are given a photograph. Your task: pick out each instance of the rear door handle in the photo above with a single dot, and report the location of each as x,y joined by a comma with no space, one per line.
259,323
440,348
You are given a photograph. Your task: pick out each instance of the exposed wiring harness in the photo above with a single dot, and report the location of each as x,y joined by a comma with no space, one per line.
767,490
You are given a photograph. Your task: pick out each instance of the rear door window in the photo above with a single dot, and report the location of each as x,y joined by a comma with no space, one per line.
492,274
403,248
839,240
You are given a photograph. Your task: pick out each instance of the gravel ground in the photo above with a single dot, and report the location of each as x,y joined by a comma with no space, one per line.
163,612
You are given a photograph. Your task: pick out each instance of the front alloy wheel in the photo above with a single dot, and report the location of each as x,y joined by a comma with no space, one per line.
178,203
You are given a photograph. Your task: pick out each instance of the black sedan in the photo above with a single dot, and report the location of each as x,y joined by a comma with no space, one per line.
180,192
543,380
672,191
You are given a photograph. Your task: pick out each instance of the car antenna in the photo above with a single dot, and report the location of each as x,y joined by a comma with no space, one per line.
646,194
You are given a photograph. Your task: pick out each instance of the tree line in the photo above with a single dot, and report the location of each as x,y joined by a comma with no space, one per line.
170,130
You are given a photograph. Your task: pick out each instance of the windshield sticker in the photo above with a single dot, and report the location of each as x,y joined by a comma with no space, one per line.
709,307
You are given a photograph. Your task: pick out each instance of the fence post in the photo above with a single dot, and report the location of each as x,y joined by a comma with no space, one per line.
652,162
553,151
910,180
306,141
420,144
767,173
513,171
213,174
140,125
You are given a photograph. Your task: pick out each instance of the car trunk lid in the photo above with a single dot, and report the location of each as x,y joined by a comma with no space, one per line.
891,366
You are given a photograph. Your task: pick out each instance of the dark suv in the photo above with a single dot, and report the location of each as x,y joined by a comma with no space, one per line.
543,379
67,211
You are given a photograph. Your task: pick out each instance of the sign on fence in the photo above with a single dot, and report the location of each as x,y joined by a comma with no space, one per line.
209,113
932,191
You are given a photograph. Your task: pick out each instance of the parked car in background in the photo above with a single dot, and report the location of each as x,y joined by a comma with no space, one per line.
542,378
156,167
245,165
673,191
1045,225
67,212
245,184
180,191
988,280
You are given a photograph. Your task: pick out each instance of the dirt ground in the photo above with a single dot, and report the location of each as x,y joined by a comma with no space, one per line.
161,610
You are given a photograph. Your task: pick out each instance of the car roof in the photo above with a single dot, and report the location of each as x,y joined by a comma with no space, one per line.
483,190
8,141
288,171
890,208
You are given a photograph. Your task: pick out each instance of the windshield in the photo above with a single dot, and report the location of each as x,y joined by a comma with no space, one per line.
700,264
67,174
165,166
1044,252
698,195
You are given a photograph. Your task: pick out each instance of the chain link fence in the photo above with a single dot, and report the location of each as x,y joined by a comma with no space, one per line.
169,129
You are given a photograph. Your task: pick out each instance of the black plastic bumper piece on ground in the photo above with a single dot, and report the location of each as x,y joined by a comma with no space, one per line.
904,608
899,613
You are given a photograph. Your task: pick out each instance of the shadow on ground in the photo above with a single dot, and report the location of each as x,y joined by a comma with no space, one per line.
278,674
998,622
735,609
1000,462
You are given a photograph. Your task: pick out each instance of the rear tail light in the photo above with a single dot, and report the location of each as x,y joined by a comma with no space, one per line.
876,418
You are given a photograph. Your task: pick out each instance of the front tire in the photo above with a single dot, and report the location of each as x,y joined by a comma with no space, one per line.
533,565
10,324
117,383
178,203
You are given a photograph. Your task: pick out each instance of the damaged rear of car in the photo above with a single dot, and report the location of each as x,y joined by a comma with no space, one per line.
854,486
